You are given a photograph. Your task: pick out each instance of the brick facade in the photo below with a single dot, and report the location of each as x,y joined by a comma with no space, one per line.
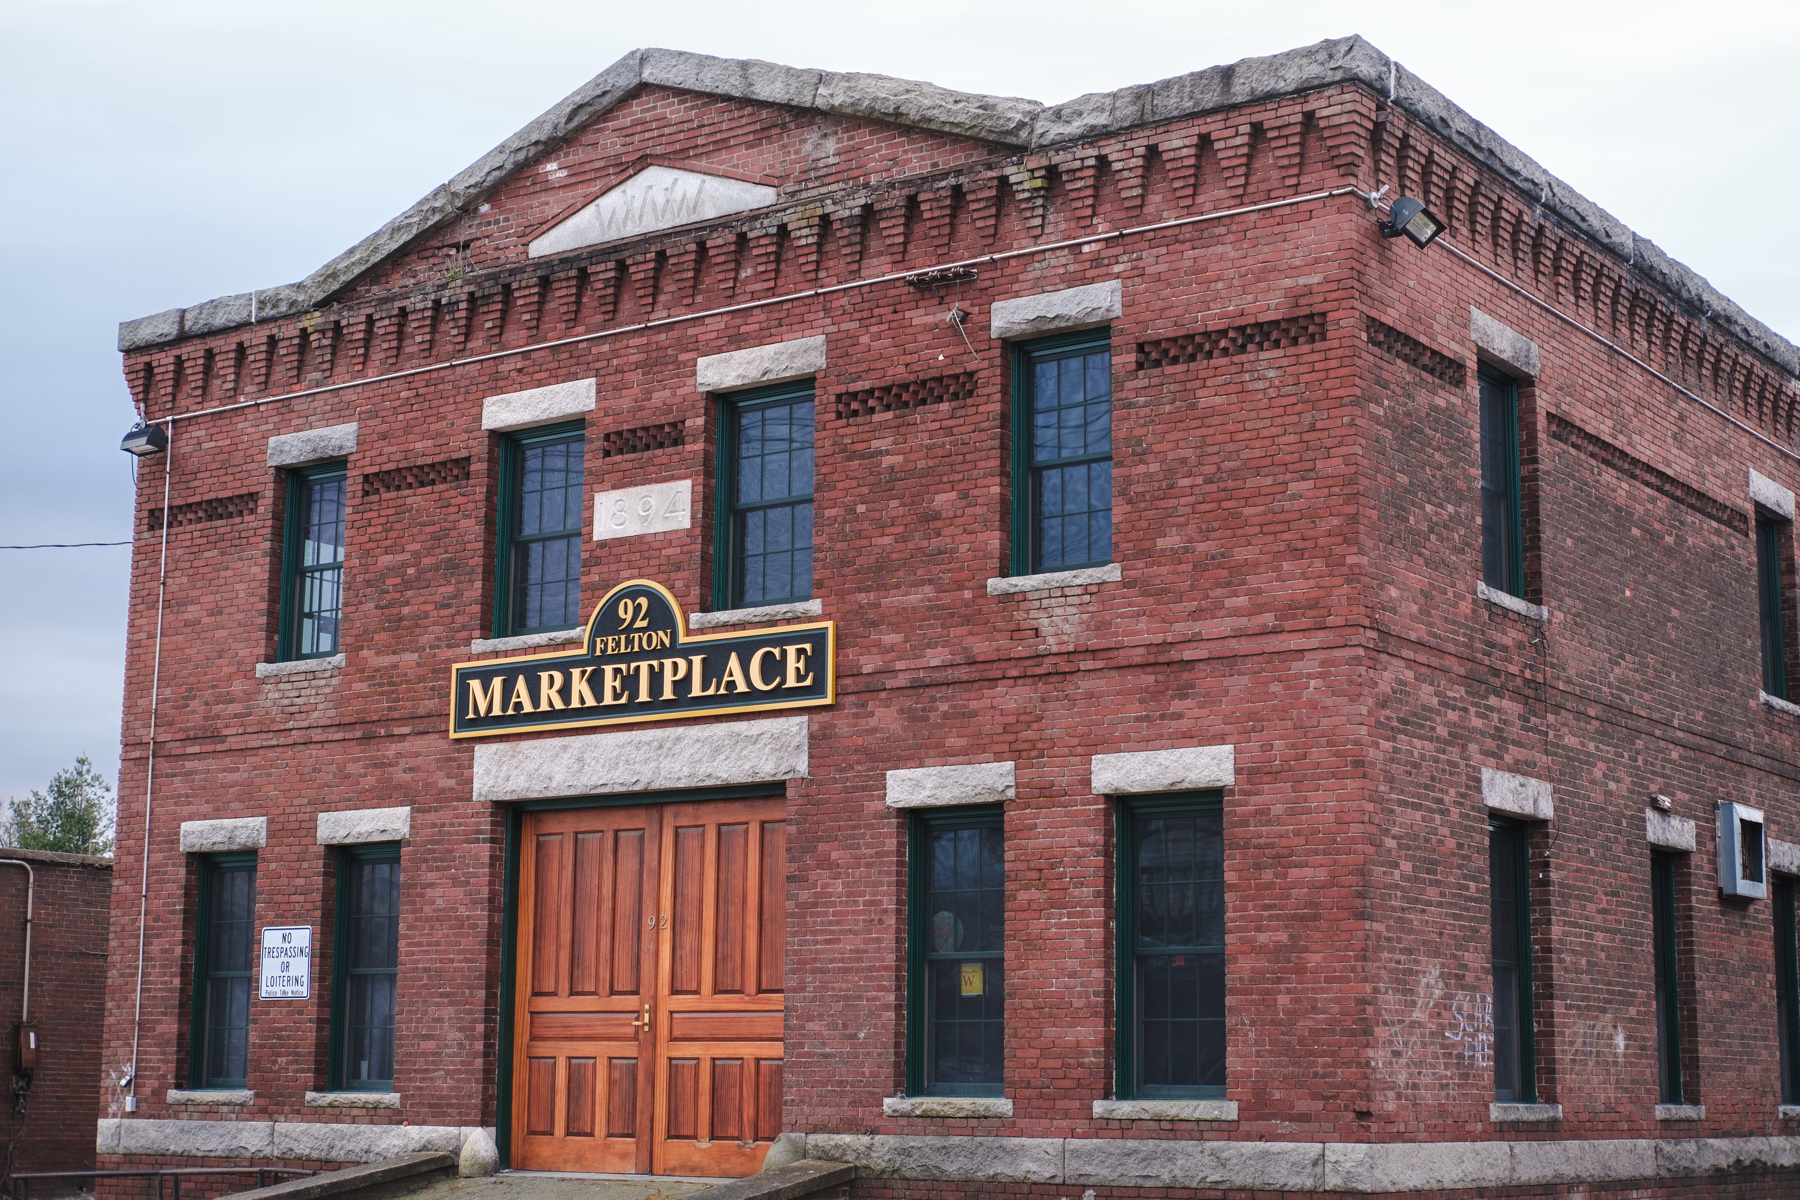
1296,523
68,1003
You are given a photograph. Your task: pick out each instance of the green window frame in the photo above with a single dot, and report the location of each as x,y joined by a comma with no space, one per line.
1771,586
1170,1028
1787,987
1515,1035
539,531
1666,960
365,963
956,934
225,973
763,498
312,562
1062,453
1502,514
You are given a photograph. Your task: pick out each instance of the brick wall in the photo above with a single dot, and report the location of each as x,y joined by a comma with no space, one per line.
68,990
1296,515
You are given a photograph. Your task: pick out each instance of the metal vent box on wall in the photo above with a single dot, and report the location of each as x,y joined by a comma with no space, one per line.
1742,871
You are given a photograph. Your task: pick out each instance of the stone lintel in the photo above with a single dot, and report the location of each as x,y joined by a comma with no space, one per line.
1517,794
312,446
538,406
643,760
1668,830
1771,495
354,826
1495,343
931,787
1085,307
231,833
777,362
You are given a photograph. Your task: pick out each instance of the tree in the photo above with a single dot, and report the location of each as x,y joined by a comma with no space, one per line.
75,815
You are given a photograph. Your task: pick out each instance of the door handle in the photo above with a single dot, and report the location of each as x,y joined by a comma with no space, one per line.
642,1024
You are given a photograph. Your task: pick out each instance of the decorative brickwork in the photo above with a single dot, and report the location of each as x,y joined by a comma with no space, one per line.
1278,334
201,512
1411,351
616,443
915,393
1610,456
407,479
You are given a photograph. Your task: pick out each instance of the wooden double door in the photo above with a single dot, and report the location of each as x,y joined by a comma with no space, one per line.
648,999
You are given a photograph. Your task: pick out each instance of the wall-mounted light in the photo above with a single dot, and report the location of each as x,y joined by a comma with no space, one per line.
145,440
1410,217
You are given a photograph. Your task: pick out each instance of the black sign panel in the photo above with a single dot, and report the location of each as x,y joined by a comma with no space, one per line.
639,663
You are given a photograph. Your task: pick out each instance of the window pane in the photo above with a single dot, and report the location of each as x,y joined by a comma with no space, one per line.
1499,485
373,954
230,935
1668,990
1071,434
1769,590
772,520
1509,906
317,574
547,537
1179,984
965,939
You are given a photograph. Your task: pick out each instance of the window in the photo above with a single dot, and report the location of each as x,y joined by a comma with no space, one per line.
224,972
537,570
1062,453
765,519
1502,523
1668,978
1787,989
1771,580
1509,865
956,994
312,578
1171,946
365,961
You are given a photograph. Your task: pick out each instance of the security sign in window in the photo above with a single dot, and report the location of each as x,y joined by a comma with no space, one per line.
287,962
638,662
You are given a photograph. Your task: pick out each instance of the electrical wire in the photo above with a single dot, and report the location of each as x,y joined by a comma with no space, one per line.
64,545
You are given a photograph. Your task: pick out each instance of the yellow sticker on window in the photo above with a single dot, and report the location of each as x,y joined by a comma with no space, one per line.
973,983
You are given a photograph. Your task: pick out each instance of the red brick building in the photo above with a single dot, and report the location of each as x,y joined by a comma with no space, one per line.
1029,649
53,1034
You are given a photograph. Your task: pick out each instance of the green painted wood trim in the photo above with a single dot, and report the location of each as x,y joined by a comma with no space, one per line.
724,592
1514,583
293,527
1125,815
509,941
1021,537
1787,987
506,508
919,826
340,964
202,951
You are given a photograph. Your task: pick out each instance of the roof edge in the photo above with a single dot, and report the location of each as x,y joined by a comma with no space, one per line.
1004,120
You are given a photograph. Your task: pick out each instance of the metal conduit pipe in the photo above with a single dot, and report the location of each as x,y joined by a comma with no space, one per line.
30,899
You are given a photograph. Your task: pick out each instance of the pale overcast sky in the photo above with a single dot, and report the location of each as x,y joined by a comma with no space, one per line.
163,154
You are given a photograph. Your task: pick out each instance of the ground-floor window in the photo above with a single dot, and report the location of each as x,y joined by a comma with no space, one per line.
1668,977
1787,987
224,972
956,991
366,959
1509,866
1171,940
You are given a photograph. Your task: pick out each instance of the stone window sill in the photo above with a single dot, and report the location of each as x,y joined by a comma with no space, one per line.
1778,704
946,1106
303,666
1681,1112
1525,608
1516,1113
526,641
353,1099
1008,585
219,1096
1165,1110
746,616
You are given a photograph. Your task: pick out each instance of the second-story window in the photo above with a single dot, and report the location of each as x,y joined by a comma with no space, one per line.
537,577
1502,522
1772,580
765,523
312,583
1062,451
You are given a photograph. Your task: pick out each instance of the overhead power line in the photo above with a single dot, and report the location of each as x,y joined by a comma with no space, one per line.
64,545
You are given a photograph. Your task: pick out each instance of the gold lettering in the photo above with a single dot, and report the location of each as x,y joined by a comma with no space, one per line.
699,661
521,695
550,690
662,640
612,684
643,670
796,663
673,670
481,703
615,644
734,670
578,687
756,668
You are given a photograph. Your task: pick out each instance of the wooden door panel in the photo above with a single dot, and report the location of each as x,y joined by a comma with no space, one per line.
584,952
649,1009
718,1104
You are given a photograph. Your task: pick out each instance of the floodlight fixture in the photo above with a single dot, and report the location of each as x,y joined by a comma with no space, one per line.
1410,217
145,440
